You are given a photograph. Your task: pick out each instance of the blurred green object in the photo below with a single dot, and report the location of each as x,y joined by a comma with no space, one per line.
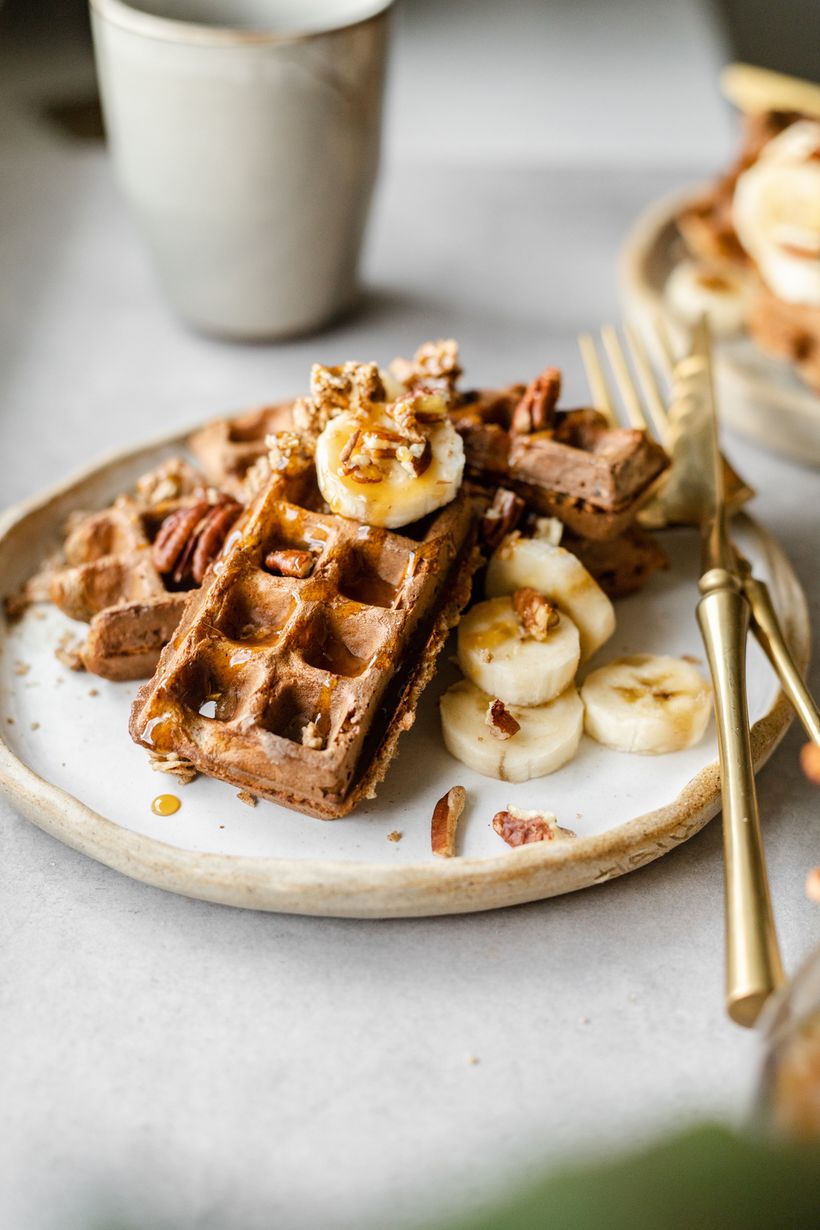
706,1179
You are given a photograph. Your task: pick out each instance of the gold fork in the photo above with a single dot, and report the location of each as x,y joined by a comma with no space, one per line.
729,595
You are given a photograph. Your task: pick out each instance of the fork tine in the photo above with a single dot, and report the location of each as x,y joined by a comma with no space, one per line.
596,379
649,383
666,351
623,378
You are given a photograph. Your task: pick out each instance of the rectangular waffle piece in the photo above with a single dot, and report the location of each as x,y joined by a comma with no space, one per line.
300,661
592,476
126,570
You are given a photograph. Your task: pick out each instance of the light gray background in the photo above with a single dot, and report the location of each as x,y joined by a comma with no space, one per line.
180,1064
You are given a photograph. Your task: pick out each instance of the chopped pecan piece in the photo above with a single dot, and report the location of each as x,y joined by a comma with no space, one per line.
290,562
174,535
501,518
500,721
537,616
534,411
190,539
446,814
211,536
521,828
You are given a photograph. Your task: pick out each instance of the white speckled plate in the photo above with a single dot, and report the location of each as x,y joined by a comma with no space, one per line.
759,396
67,762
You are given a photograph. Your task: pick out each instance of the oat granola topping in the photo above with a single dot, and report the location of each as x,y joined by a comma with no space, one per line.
311,737
435,364
170,762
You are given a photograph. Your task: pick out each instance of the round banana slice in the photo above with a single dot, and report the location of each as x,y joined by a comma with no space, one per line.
558,575
547,736
495,653
776,212
646,703
721,293
378,479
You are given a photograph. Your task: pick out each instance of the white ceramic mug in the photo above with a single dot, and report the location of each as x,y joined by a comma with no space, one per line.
245,134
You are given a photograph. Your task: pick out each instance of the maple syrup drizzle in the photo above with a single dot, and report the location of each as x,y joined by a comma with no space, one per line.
165,805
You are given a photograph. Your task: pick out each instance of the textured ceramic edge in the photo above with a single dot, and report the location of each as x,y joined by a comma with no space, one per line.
357,889
786,420
170,29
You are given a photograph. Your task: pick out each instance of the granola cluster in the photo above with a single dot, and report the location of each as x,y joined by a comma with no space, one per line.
434,366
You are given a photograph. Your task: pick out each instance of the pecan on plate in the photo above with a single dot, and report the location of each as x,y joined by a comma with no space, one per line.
446,814
500,721
534,411
501,518
537,616
520,828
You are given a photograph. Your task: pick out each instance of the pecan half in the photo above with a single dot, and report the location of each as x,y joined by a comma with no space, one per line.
534,411
290,563
500,721
536,615
521,828
446,814
190,539
501,518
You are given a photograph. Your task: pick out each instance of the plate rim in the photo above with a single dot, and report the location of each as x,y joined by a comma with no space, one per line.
359,889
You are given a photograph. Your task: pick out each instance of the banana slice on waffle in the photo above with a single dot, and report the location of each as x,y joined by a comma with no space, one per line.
401,461
646,703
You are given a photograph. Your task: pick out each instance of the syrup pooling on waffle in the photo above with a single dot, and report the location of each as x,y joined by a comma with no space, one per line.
296,686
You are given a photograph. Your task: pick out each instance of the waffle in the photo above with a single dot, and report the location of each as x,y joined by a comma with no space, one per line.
622,565
107,574
591,476
226,449
301,660
788,331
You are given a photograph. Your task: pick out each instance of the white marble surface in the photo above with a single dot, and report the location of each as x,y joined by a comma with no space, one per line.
178,1064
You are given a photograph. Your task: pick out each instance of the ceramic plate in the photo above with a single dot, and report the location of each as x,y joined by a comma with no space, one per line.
759,396
68,764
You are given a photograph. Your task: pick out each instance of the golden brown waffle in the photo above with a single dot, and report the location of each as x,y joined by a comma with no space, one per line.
108,573
591,476
788,331
300,661
226,449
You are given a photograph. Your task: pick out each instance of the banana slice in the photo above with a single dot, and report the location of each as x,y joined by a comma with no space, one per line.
645,703
558,575
372,473
776,213
547,736
720,293
494,652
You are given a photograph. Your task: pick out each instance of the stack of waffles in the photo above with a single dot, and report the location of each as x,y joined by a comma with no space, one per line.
570,465
300,661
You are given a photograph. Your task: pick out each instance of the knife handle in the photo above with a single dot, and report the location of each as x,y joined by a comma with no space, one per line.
767,629
753,968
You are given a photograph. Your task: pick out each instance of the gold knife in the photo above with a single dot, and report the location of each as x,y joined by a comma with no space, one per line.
753,966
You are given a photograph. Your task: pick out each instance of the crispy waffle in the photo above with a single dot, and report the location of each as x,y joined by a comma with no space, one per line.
107,574
226,449
591,476
788,331
297,687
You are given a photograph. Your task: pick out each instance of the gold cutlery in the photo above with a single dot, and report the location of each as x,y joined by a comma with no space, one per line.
695,493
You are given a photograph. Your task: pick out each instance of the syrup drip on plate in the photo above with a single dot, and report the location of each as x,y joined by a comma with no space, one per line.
165,805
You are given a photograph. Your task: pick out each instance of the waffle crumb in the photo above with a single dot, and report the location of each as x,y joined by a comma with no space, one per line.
245,796
311,737
93,691
394,836
21,668
9,721
170,762
35,725
69,652
473,1060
